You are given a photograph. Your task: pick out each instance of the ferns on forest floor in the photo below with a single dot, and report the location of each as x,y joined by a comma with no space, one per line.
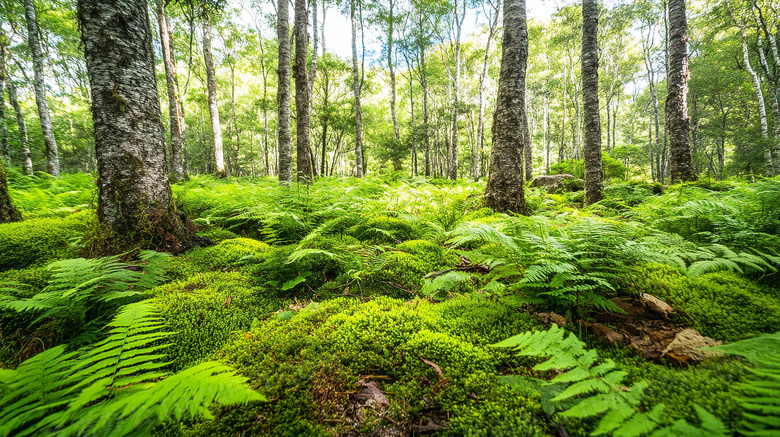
116,387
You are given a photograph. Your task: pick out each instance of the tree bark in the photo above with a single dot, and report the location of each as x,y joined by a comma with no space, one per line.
174,110
547,135
211,80
5,157
476,154
391,69
27,166
504,191
52,153
453,158
8,213
284,136
135,204
304,163
356,85
680,160
590,102
528,157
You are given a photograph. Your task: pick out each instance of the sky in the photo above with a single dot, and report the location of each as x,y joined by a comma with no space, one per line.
338,37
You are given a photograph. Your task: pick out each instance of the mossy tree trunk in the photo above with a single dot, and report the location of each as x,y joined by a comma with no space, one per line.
135,203
52,153
504,191
7,211
590,102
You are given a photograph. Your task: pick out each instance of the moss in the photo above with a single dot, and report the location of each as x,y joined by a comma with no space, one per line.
206,311
38,241
228,254
33,280
218,234
722,305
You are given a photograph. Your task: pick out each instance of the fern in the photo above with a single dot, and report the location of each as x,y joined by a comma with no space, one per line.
585,388
81,290
118,386
760,395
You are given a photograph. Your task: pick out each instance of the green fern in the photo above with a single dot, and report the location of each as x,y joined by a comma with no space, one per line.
760,395
116,387
81,290
584,387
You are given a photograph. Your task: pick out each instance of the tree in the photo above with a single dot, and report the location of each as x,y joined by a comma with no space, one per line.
590,102
8,213
27,165
504,191
479,144
283,93
174,110
5,157
302,92
356,87
680,161
135,204
211,80
52,153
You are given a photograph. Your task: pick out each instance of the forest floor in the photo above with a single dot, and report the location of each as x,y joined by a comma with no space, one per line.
399,306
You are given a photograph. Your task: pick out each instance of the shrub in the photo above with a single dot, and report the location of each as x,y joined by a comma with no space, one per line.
206,310
38,241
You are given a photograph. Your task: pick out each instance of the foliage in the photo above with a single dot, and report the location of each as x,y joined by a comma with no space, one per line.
584,388
115,387
39,241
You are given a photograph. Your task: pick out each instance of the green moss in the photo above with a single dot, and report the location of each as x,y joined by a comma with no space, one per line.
38,241
219,234
228,254
206,311
722,305
33,280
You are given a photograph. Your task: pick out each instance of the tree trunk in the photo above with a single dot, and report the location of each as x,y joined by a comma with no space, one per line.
8,213
426,134
312,75
476,155
680,161
174,110
135,204
391,68
305,170
528,157
590,102
211,79
453,158
414,132
356,90
27,165
504,191
52,153
5,157
284,136
547,134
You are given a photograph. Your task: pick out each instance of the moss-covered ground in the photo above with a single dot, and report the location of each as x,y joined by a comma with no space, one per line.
369,307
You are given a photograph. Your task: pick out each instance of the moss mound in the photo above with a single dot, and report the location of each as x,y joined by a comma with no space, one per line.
39,241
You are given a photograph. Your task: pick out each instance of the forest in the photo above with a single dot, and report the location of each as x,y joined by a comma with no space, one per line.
389,218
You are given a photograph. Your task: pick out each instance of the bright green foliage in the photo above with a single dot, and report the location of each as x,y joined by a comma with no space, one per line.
586,388
760,394
218,234
39,241
723,305
113,387
228,254
82,293
384,230
44,196
30,281
206,310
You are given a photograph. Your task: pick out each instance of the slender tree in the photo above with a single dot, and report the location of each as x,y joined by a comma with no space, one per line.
356,86
135,204
590,102
504,191
27,166
680,161
174,110
303,153
5,157
211,80
284,136
52,153
476,155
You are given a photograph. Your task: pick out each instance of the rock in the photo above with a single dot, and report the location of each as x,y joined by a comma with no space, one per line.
655,304
686,347
552,182
607,334
631,306
549,318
